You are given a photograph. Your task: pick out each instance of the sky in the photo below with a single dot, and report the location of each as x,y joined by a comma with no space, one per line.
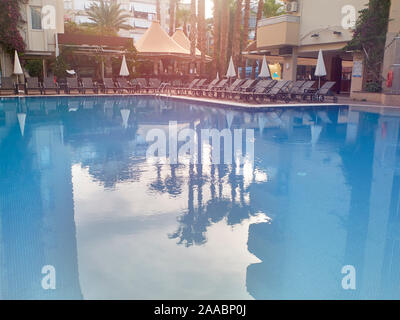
209,7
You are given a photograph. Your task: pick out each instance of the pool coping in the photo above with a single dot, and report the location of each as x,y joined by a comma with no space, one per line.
217,103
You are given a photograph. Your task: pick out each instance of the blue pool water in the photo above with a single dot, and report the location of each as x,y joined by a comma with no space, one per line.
78,193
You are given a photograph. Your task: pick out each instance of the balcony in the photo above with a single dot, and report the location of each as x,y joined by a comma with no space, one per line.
277,32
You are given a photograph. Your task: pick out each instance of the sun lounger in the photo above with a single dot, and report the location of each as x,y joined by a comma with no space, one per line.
183,89
217,88
50,85
140,83
279,91
321,93
7,84
87,84
153,85
123,84
108,84
230,88
298,91
259,91
245,87
177,83
200,91
198,85
32,84
72,84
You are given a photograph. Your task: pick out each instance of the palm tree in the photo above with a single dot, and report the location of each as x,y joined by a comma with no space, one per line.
260,9
236,32
158,9
224,35
172,5
202,33
245,38
182,18
216,34
193,29
272,8
108,18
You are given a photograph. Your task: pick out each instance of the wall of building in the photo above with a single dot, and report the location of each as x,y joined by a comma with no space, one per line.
393,31
42,40
323,17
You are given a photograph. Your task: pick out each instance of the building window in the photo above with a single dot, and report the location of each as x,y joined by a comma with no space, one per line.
68,4
36,17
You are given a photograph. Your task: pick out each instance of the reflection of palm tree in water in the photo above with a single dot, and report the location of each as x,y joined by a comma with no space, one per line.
173,183
193,225
158,184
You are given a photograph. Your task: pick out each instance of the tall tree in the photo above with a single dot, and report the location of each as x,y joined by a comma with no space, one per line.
370,38
260,9
224,35
108,18
236,33
172,4
245,38
273,8
216,34
182,17
158,9
202,33
193,29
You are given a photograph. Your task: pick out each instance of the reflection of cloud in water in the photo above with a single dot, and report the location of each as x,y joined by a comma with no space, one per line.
124,252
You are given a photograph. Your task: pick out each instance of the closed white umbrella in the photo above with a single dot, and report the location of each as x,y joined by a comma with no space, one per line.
262,121
124,68
17,67
125,113
231,70
320,70
57,46
264,73
217,76
21,121
315,134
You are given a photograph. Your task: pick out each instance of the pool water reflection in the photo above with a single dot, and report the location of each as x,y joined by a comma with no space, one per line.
77,192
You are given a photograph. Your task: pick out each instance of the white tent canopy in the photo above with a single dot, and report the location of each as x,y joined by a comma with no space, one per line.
124,72
231,70
264,73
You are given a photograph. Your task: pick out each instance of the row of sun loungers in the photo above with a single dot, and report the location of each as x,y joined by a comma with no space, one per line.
258,91
240,89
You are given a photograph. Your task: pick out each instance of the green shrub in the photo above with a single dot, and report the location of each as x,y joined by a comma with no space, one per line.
373,87
34,68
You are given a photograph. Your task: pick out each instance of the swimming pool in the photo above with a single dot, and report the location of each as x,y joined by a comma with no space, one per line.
78,193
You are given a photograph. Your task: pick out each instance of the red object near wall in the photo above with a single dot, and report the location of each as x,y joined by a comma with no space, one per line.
389,83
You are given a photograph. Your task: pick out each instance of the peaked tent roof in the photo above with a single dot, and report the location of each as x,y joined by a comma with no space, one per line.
155,41
180,37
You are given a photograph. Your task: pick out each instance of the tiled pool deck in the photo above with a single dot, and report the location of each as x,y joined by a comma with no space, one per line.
224,102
